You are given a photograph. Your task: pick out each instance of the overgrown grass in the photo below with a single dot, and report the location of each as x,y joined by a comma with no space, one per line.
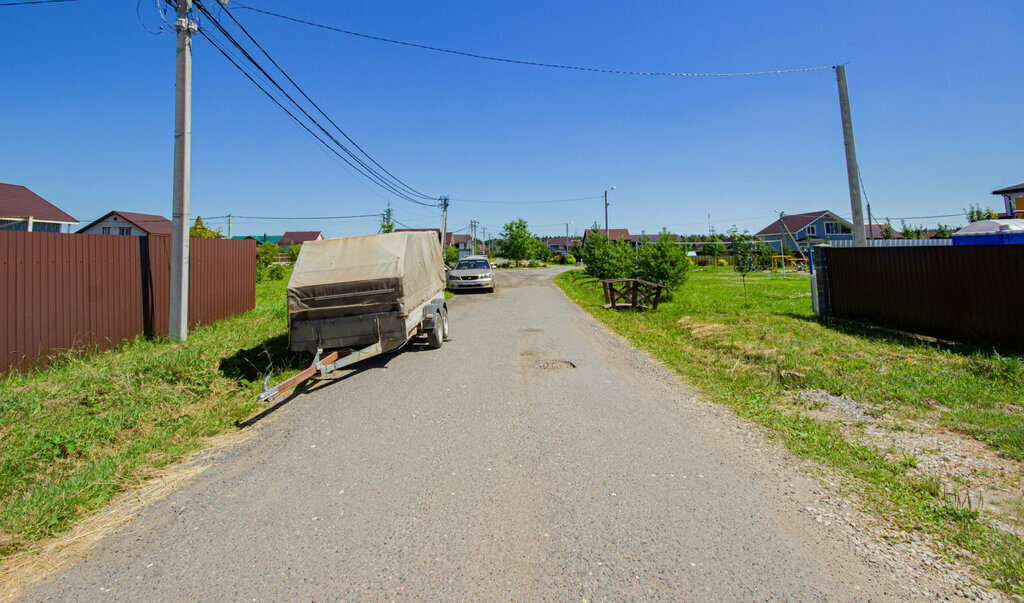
754,357
75,435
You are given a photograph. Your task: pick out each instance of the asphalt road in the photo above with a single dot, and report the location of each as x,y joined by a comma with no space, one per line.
534,456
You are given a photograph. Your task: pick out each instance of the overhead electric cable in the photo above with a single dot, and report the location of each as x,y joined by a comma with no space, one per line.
34,2
408,188
530,202
474,55
392,185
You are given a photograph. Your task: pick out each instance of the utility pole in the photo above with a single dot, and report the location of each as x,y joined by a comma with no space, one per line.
177,327
782,239
444,225
871,223
229,226
606,211
852,173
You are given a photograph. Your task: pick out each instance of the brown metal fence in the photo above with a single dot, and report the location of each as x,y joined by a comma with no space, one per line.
64,291
972,293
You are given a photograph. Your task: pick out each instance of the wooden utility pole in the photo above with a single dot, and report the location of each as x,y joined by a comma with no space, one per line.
852,173
444,225
177,326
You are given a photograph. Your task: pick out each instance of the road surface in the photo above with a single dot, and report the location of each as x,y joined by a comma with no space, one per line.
534,456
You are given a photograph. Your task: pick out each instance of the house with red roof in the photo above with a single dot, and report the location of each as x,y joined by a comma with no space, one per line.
614,234
21,209
129,223
801,231
298,237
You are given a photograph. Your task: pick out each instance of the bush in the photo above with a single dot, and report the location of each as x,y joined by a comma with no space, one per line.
275,272
664,262
293,252
597,254
534,264
261,273
266,254
570,260
723,262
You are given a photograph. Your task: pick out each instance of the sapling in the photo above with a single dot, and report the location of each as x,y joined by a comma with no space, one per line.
744,251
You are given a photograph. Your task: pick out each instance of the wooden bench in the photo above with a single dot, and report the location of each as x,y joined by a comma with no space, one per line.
631,293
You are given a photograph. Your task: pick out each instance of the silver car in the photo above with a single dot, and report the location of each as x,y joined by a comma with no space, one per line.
471,272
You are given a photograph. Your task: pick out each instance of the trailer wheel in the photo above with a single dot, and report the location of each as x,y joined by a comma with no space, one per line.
444,322
436,335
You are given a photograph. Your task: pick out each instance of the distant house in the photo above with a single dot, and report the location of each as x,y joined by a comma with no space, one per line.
1013,199
298,237
261,239
614,234
561,245
129,223
462,242
801,231
21,209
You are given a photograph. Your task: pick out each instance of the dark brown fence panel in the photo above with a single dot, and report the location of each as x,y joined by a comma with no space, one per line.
93,291
971,293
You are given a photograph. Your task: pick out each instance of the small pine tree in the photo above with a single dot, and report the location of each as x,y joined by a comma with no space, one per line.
597,254
202,231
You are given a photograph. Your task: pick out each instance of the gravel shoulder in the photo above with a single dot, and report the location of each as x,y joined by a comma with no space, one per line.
535,456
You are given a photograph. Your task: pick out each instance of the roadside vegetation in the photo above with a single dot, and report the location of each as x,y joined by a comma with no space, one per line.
771,360
76,434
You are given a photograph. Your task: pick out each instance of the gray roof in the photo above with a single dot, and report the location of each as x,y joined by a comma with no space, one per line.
1016,188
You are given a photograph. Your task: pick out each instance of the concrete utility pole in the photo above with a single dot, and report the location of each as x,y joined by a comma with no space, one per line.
444,224
782,240
177,327
229,226
852,173
606,211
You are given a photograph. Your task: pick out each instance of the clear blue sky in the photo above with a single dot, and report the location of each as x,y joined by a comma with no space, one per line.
936,89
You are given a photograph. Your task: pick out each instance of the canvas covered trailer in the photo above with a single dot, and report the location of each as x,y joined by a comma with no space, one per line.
363,296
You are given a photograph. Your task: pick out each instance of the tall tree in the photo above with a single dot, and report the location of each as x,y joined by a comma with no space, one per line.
517,243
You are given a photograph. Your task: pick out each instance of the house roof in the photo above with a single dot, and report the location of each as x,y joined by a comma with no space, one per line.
298,237
874,231
17,201
614,234
654,238
1017,188
561,241
151,223
456,239
795,222
263,238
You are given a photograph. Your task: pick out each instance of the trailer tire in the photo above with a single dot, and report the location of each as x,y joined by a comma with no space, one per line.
444,322
435,337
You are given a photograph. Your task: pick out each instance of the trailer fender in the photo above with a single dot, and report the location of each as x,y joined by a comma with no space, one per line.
430,314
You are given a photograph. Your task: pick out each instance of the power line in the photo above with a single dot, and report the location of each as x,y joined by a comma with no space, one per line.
34,2
408,188
522,62
529,202
392,185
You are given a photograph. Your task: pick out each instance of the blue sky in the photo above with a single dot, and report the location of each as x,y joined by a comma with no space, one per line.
936,89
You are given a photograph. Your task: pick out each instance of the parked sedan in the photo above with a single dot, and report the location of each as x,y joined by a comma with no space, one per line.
471,272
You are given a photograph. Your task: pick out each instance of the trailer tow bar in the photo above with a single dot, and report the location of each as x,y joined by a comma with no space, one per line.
327,364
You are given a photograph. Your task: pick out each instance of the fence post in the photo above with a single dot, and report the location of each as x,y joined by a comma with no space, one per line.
821,296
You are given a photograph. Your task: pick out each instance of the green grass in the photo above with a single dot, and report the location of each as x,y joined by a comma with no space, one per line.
75,435
756,357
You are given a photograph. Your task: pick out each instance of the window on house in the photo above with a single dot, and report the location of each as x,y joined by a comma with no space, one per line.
106,230
812,230
125,230
836,228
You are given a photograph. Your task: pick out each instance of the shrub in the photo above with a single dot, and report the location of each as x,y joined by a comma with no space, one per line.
570,260
275,272
266,254
664,262
534,264
597,254
723,262
261,273
293,252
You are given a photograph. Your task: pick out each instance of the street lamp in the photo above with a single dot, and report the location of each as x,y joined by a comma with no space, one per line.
606,211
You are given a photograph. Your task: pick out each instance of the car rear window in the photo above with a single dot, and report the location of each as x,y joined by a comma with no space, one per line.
472,265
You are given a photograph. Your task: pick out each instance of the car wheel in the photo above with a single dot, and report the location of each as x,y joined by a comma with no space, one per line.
436,335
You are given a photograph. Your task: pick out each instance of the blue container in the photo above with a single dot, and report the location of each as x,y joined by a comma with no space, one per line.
1009,238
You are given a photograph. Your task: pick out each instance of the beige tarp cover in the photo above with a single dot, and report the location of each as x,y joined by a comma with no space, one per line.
393,272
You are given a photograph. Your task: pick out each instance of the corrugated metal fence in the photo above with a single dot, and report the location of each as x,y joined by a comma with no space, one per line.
61,291
972,294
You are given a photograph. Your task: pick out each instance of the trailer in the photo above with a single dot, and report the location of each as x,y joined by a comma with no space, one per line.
361,297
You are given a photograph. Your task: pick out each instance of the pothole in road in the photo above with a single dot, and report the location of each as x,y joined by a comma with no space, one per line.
529,330
554,365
